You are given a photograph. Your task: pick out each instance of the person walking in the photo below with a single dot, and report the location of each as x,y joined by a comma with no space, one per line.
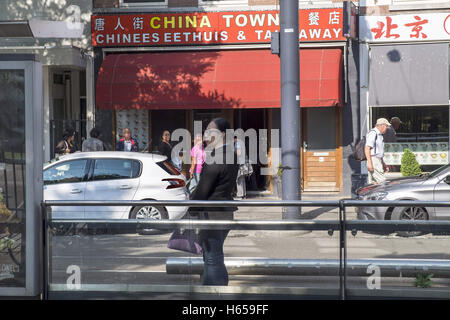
66,145
197,160
241,188
93,143
391,132
374,150
217,181
127,143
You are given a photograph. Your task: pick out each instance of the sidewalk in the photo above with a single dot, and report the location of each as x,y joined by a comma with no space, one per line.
275,213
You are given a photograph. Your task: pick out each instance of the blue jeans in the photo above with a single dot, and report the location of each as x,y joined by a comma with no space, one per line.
194,181
214,271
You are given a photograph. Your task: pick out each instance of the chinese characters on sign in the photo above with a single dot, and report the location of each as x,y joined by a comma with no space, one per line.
99,24
386,32
432,26
119,25
210,28
417,27
334,18
416,30
313,19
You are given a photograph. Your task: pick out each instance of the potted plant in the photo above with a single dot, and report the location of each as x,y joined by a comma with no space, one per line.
5,213
409,164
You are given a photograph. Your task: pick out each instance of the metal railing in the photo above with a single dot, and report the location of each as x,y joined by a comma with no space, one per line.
341,225
12,179
57,127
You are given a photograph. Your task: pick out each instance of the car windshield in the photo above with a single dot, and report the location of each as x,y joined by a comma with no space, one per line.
438,171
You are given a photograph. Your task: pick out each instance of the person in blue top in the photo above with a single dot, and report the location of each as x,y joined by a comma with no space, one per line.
127,143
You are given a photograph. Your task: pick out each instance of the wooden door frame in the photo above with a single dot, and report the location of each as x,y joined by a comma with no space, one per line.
338,148
303,137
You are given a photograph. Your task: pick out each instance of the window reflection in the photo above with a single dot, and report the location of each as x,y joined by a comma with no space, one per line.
12,178
423,129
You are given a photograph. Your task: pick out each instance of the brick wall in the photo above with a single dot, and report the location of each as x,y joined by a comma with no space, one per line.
106,3
374,10
182,3
263,2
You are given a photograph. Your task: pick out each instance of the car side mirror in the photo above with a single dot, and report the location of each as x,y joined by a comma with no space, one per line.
447,179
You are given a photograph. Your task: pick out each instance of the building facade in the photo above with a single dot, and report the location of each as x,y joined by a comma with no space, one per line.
164,65
57,32
404,73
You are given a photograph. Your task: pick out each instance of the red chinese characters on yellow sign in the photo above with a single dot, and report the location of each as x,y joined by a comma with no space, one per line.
210,28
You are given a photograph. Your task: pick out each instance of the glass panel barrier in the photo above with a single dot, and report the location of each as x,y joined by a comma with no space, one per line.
261,263
400,261
12,178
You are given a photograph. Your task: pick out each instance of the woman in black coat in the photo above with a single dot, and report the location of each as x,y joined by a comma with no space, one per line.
217,180
165,148
67,144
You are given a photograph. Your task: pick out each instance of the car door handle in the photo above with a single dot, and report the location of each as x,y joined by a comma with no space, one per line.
76,191
125,186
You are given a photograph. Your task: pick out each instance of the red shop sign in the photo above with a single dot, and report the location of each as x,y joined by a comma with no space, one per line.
210,28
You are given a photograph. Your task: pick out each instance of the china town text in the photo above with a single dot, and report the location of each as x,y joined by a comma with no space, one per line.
214,27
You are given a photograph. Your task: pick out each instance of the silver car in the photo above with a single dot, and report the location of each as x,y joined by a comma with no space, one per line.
434,186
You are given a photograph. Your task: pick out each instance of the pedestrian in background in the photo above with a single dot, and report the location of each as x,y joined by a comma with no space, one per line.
197,160
241,188
127,143
165,148
217,181
93,143
374,151
391,132
66,145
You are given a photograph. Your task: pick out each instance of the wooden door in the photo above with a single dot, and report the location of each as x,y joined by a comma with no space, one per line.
321,151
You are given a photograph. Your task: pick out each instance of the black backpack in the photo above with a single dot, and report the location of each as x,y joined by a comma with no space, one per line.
358,151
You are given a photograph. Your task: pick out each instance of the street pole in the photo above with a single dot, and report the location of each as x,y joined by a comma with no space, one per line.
290,105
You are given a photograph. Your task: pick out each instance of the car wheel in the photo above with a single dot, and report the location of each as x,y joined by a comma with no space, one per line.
149,212
411,214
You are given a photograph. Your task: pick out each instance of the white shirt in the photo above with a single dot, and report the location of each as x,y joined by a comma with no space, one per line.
127,145
374,140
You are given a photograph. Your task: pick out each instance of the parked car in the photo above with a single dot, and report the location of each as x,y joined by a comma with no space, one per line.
434,186
110,176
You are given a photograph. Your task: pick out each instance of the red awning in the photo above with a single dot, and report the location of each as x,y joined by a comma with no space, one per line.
214,80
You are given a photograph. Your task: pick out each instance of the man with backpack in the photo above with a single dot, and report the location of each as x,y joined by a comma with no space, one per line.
374,151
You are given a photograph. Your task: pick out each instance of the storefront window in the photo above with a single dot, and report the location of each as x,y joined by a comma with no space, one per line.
205,116
12,178
162,120
423,130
